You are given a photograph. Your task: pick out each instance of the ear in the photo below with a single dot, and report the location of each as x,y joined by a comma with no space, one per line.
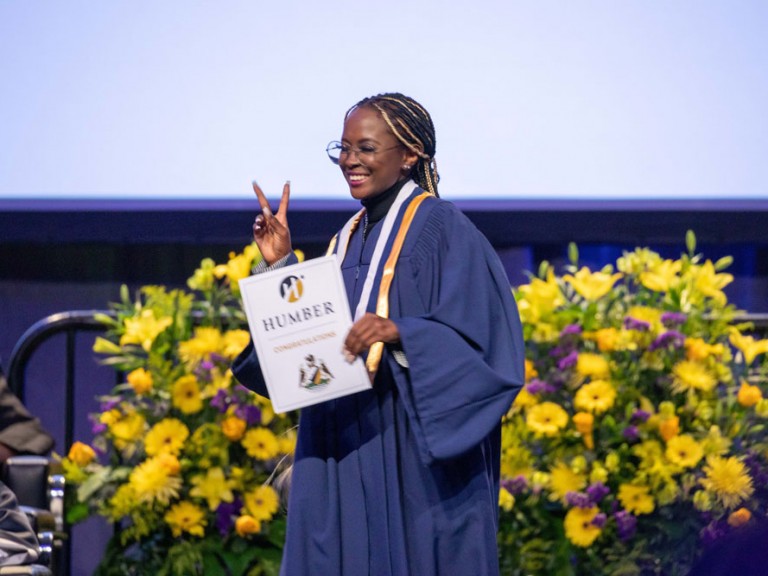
409,161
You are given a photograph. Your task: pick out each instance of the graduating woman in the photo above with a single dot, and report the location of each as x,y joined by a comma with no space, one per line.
402,479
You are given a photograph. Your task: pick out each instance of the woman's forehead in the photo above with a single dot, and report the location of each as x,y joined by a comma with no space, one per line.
366,123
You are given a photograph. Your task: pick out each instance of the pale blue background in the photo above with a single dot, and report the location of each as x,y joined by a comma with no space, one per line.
538,99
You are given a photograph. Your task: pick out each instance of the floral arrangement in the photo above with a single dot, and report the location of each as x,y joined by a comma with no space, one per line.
640,435
181,453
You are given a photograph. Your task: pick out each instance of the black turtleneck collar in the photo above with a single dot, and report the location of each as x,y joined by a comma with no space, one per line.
378,206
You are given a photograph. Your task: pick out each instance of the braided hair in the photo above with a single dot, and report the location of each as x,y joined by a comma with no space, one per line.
412,126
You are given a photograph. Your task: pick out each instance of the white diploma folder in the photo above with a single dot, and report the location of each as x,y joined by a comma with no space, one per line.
299,318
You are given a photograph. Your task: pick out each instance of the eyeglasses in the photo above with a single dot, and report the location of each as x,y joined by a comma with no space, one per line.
366,153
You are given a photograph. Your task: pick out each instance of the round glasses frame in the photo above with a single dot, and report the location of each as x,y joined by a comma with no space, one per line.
336,150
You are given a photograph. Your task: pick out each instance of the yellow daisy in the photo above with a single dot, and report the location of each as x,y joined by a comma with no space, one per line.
168,436
262,503
579,526
186,517
261,443
186,395
684,451
152,480
596,396
636,499
692,375
546,419
562,479
728,480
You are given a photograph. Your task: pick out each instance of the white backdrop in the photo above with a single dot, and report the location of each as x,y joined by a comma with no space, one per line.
538,99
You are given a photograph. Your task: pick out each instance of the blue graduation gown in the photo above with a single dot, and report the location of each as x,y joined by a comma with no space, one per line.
403,479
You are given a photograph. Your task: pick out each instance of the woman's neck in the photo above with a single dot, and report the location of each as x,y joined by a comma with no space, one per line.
378,206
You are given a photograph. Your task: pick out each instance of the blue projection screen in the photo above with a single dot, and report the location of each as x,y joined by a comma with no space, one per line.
563,101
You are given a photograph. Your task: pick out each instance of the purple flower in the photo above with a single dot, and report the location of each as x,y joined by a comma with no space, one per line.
631,433
537,386
221,401
98,428
516,485
251,414
670,338
226,514
109,404
578,500
626,525
640,416
635,324
599,520
597,491
568,361
570,330
673,318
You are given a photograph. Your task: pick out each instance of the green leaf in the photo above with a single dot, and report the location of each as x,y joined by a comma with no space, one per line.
690,242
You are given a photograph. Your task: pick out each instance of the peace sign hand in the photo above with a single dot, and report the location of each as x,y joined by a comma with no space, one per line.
270,231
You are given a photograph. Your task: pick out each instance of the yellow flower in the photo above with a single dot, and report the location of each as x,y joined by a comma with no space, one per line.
261,443
636,499
186,517
597,396
684,451
607,339
245,525
81,454
748,346
140,380
647,314
127,429
144,329
728,480
749,395
123,502
579,526
167,436
154,480
709,283
214,487
202,278
524,399
669,427
692,375
698,349
546,419
539,298
592,365
562,479
206,341
662,276
233,428
506,500
262,503
715,444
186,395
530,370
235,342
592,285
739,517
584,422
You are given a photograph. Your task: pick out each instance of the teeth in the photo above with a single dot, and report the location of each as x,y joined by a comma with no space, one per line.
357,177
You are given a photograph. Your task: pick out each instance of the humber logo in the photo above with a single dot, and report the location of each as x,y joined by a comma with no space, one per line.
291,288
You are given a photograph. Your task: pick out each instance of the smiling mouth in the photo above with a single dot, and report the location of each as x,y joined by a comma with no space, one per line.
357,178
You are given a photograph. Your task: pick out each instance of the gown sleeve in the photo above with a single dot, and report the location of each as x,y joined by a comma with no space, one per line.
461,332
246,366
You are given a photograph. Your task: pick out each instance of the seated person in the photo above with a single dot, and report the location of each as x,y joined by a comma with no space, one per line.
20,432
